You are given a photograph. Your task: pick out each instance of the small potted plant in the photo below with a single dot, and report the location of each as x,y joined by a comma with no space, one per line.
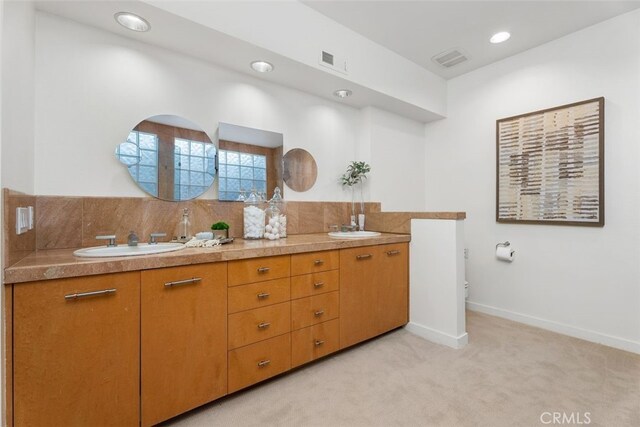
220,230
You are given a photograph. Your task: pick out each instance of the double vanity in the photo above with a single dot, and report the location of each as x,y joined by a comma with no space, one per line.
126,341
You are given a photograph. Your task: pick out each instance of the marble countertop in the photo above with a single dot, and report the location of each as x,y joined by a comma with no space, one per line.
61,263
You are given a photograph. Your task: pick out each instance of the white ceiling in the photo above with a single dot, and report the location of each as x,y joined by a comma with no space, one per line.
172,32
418,30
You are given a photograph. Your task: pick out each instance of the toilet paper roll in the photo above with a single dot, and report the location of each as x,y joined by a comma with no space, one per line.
505,253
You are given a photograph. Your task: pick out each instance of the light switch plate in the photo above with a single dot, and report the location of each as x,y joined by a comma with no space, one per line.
22,220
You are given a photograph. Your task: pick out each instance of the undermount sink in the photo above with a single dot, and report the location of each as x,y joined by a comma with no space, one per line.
353,234
125,250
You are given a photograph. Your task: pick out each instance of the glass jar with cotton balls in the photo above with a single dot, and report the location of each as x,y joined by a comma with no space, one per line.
276,225
254,217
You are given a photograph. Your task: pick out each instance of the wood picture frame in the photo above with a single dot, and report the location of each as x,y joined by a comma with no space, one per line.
550,166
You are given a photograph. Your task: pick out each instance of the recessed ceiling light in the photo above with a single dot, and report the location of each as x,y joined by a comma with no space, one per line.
500,37
262,66
132,21
342,93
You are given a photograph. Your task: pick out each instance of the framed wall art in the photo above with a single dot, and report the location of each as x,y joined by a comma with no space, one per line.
550,166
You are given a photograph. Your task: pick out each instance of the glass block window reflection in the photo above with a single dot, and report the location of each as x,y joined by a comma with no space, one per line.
141,154
194,166
241,172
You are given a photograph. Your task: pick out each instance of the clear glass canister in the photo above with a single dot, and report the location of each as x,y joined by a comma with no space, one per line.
276,227
254,217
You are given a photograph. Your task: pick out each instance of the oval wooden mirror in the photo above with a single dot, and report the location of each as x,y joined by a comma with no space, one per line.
299,169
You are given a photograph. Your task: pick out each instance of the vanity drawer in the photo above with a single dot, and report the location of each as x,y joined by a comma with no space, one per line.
257,362
311,343
259,294
315,283
258,269
314,261
316,309
248,327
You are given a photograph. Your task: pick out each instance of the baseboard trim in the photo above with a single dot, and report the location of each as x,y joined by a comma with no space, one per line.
436,336
561,328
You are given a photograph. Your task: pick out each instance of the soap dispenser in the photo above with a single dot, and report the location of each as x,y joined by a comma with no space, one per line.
183,230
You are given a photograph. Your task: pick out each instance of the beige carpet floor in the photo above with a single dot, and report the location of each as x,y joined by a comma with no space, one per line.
508,375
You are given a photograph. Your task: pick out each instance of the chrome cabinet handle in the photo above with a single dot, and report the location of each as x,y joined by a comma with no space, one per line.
263,295
89,294
318,262
393,252
318,285
263,363
364,256
264,325
263,269
318,313
183,282
318,343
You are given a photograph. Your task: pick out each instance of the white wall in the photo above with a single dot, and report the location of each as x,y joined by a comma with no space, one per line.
577,280
397,150
93,86
18,95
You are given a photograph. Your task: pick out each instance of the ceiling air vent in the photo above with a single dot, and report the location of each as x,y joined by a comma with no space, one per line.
335,62
327,58
449,58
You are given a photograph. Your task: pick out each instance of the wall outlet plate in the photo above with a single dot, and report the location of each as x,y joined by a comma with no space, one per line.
22,220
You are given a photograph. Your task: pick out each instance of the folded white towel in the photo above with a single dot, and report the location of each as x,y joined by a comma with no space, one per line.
202,243
205,235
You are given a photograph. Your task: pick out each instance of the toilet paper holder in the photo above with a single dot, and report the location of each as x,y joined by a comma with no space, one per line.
504,244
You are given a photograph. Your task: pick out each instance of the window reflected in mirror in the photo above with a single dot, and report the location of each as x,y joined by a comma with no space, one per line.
248,159
169,157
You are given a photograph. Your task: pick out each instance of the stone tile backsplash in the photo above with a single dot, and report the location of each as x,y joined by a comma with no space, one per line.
71,222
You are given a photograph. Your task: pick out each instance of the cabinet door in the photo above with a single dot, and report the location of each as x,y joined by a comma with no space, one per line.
374,290
393,287
358,294
77,351
184,339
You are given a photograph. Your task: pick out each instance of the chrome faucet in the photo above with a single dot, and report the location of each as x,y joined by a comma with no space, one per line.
111,239
132,239
153,237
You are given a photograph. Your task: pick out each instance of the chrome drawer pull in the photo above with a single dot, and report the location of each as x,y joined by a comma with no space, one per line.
364,256
393,252
263,295
263,269
264,325
318,262
318,313
183,282
263,363
89,294
318,343
318,285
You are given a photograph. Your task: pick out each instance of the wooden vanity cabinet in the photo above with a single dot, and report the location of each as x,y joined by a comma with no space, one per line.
184,339
374,290
260,325
139,348
315,305
76,345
